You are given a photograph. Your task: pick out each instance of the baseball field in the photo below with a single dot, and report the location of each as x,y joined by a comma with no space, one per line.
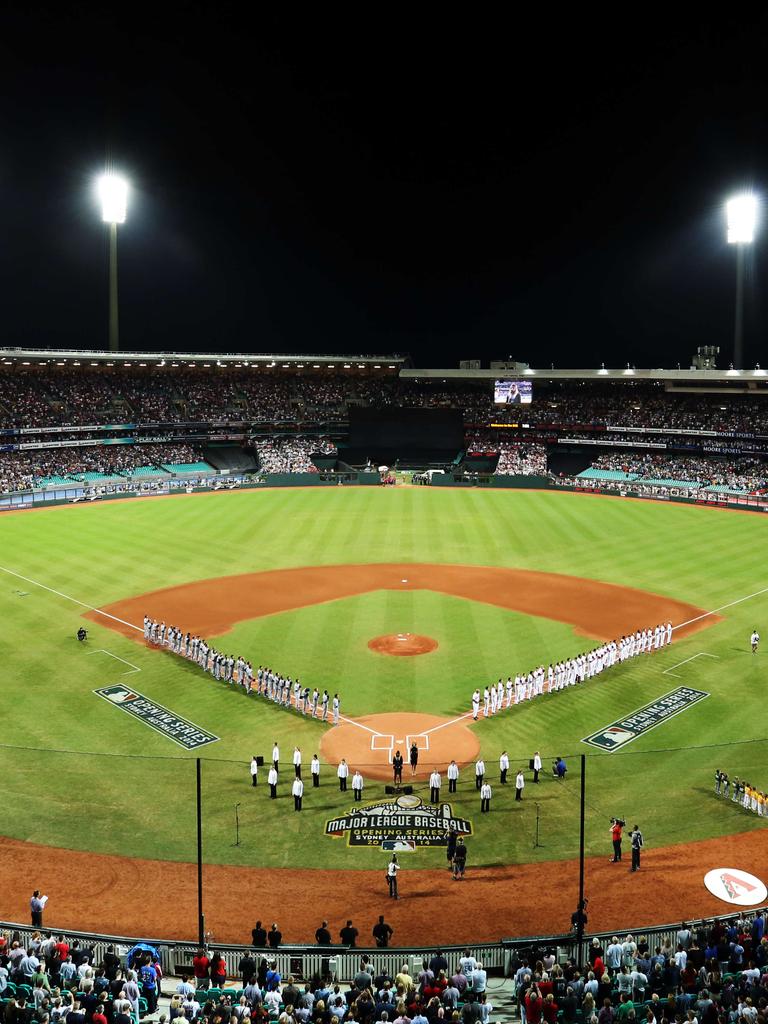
303,581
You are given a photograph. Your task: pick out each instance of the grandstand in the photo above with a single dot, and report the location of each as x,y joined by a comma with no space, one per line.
103,421
82,426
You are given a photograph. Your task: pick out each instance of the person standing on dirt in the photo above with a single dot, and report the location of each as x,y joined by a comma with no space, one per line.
459,859
615,834
450,846
397,768
392,868
382,933
414,757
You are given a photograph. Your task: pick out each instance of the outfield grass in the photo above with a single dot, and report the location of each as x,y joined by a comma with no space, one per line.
140,799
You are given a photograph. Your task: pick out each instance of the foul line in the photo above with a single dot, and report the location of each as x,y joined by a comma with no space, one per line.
702,654
67,597
722,608
133,668
453,721
351,721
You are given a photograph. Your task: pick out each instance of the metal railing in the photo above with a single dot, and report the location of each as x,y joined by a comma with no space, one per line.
342,962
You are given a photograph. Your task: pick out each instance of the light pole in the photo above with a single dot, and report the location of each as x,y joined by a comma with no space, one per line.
741,215
113,192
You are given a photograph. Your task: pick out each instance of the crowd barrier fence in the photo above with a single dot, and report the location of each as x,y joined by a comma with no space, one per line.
342,962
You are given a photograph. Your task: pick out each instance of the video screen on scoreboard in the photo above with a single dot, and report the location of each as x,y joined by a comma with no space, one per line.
513,392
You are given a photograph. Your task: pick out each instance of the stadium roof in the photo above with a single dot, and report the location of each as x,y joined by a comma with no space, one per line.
82,357
670,377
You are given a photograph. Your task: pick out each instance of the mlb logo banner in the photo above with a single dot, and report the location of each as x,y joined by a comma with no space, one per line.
186,734
619,734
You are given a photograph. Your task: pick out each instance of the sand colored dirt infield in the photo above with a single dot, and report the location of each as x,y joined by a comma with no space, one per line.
403,645
369,743
596,609
158,899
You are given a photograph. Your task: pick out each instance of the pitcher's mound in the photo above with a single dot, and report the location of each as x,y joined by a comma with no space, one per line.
404,644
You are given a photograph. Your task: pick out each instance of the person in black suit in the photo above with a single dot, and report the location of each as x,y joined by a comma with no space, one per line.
111,963
414,757
450,847
397,767
259,935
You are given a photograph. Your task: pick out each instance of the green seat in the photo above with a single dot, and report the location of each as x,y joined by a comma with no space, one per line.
213,993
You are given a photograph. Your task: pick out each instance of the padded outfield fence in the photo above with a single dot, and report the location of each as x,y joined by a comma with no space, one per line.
167,484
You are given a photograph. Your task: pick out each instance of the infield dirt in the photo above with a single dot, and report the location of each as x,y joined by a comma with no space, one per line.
596,609
158,899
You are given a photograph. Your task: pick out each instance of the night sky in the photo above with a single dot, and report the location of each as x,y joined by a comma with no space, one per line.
472,187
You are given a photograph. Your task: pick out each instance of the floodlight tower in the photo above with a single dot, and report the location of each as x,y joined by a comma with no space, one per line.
741,215
113,192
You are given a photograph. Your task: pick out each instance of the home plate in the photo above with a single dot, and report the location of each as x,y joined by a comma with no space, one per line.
399,741
403,581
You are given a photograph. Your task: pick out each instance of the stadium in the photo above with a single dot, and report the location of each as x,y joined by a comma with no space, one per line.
383,509
322,517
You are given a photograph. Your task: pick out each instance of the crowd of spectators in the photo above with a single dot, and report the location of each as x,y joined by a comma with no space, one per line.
21,470
742,473
47,396
714,974
291,455
51,980
522,459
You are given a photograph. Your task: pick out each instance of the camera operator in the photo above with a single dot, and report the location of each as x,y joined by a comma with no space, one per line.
617,824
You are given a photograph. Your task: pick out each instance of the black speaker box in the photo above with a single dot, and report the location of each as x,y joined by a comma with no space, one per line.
397,790
259,760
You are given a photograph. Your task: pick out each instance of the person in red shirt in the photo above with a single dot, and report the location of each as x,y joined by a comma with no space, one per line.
218,971
99,1017
200,964
62,949
549,1010
616,839
533,1005
598,968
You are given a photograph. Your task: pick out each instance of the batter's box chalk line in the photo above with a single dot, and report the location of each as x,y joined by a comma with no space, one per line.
387,744
131,667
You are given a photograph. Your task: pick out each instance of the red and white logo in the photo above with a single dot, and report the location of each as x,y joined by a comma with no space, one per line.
735,886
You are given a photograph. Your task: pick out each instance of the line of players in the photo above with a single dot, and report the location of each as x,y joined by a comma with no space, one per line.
264,682
742,793
569,672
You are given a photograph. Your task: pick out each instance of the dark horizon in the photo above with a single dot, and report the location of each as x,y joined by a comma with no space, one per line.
552,193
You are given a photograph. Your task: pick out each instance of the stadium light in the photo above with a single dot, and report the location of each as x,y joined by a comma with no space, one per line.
741,214
113,192
741,218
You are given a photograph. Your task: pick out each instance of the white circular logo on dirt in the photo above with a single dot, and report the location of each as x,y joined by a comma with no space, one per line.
732,885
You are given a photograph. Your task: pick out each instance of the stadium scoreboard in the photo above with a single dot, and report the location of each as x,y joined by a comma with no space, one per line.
513,392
